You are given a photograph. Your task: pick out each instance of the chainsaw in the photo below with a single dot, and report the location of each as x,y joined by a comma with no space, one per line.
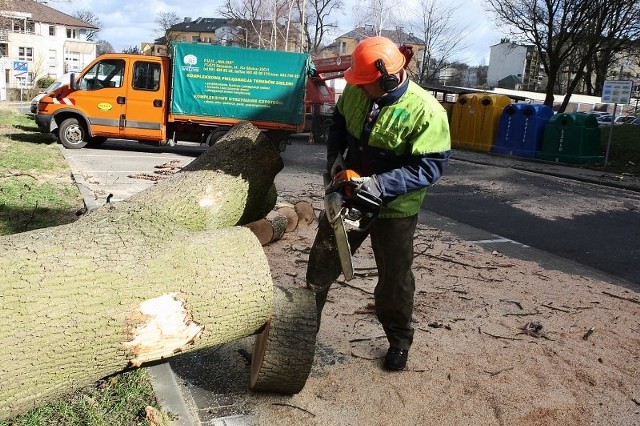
348,209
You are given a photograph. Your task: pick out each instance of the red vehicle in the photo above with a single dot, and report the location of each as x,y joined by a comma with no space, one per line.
321,98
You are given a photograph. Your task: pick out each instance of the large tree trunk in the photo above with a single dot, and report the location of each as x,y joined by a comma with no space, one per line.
163,272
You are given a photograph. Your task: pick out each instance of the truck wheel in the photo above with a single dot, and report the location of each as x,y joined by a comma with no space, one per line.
283,351
72,134
213,137
321,131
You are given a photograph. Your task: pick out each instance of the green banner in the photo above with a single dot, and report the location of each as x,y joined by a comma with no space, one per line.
239,83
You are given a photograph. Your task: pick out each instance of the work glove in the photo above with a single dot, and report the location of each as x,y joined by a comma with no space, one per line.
369,184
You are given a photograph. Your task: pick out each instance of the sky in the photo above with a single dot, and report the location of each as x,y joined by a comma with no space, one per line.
127,23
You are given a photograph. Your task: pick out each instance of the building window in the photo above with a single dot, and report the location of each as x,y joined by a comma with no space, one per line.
53,55
52,30
25,53
23,26
72,61
195,39
73,33
343,48
4,48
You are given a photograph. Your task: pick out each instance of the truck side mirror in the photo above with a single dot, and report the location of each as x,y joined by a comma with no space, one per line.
72,81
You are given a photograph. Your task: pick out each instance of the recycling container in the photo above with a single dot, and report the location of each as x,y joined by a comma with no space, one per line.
463,119
521,130
572,139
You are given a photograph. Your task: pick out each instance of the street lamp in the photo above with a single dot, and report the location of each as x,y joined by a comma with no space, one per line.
246,35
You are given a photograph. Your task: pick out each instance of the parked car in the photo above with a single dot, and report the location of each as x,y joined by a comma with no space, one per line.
624,119
635,121
604,120
53,86
598,113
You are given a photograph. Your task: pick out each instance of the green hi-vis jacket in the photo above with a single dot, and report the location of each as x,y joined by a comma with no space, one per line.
402,138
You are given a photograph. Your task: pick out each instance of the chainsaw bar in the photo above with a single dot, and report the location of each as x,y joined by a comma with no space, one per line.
333,209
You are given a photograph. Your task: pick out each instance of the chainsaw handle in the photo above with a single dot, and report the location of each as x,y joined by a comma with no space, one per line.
344,187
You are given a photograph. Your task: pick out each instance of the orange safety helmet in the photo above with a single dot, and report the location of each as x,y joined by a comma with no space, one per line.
363,68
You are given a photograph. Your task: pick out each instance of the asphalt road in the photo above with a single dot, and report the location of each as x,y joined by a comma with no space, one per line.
594,225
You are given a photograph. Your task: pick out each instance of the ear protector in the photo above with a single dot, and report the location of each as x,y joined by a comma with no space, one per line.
389,82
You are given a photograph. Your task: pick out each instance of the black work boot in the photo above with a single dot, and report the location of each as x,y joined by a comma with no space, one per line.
396,359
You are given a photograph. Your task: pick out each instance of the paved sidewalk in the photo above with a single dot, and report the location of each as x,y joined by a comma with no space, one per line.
579,173
186,386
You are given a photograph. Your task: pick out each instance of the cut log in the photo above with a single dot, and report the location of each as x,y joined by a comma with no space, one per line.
292,217
306,214
279,223
269,229
283,351
262,229
140,280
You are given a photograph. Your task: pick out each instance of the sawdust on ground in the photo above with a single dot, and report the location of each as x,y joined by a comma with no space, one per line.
499,341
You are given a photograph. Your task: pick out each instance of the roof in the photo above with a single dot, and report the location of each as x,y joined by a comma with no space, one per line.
397,35
510,79
204,25
42,13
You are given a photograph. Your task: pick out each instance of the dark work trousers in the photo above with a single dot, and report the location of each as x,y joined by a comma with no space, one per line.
392,243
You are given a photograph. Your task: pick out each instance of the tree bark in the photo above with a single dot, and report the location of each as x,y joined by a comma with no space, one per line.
163,272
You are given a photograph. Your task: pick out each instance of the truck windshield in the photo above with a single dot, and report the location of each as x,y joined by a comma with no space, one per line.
107,73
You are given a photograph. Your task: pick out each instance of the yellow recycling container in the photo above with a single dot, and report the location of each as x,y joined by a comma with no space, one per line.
463,120
488,120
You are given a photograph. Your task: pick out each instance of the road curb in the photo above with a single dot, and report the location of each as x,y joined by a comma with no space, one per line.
87,195
170,396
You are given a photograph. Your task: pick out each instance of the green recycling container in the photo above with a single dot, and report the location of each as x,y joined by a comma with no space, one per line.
572,139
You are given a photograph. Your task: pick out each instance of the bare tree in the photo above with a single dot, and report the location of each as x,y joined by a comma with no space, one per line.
103,46
90,18
164,21
266,22
378,13
565,33
618,41
318,22
442,37
132,49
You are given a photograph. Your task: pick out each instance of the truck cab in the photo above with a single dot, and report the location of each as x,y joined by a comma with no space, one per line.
116,96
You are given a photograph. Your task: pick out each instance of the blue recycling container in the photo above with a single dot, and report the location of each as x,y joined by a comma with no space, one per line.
521,129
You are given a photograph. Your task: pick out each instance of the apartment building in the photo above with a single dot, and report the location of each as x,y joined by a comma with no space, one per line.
515,66
38,41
